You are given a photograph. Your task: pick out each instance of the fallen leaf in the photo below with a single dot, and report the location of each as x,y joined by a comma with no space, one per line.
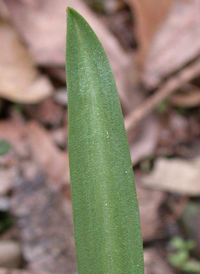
50,28
149,16
175,175
19,80
42,25
176,43
53,162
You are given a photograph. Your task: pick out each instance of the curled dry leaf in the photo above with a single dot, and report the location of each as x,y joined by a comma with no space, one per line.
175,175
19,80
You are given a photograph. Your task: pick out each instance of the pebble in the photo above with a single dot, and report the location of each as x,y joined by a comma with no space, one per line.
10,254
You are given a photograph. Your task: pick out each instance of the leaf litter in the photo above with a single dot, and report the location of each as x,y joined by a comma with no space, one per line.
36,167
19,79
175,175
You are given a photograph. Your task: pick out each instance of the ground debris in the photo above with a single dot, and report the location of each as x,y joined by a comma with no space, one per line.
45,220
150,202
172,50
175,175
155,263
52,161
18,271
20,81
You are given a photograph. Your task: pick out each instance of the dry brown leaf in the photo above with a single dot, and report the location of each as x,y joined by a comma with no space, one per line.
19,80
52,161
176,43
175,175
43,26
149,15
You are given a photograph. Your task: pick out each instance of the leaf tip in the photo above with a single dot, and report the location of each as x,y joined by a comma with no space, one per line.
71,11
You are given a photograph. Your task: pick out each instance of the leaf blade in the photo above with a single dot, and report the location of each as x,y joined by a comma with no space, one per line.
105,209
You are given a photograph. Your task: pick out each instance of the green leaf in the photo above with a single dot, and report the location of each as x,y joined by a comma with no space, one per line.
4,147
178,243
190,244
192,266
178,259
105,208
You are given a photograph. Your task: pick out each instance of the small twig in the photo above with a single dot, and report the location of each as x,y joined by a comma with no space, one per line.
189,99
175,82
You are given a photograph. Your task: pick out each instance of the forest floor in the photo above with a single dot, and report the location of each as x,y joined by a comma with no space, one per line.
160,104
